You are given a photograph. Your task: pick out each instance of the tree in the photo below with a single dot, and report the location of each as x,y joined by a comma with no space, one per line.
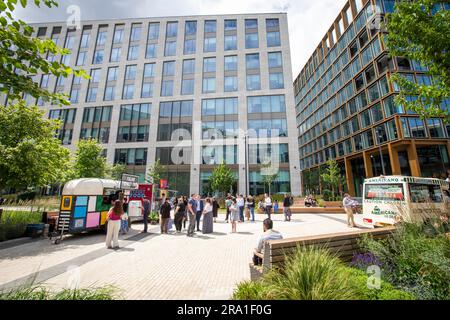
155,172
30,154
269,175
332,176
89,162
222,179
115,172
23,56
417,32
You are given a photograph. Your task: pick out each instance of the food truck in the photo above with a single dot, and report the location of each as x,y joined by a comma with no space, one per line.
85,204
388,200
136,201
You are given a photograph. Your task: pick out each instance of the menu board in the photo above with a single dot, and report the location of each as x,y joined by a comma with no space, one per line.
385,192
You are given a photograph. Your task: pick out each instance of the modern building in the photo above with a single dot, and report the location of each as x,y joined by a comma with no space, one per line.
345,106
192,91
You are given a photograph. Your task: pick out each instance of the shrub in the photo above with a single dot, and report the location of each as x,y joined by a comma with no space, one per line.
26,196
327,195
309,274
14,223
39,292
415,261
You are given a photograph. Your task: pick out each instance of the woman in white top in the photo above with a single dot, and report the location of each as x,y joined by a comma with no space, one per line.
207,226
234,215
268,203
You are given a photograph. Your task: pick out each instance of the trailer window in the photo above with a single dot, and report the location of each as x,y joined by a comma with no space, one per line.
424,193
386,192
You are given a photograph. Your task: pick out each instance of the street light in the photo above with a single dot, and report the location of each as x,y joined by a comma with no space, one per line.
246,163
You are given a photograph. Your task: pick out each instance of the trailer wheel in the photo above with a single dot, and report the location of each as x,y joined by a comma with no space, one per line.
57,241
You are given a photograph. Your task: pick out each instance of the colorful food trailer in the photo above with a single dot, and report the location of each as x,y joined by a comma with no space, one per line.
85,204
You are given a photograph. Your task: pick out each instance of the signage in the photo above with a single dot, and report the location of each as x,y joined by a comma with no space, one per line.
163,184
131,179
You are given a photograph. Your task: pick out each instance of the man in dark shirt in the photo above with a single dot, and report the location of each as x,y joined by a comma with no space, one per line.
146,213
192,211
199,213
165,215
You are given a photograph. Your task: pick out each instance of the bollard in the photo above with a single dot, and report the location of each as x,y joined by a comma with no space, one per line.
46,229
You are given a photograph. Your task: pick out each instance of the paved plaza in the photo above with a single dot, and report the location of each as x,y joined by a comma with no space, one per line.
155,266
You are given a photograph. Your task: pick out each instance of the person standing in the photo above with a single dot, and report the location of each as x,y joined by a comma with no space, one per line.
146,212
234,213
165,215
268,204
251,207
228,203
180,212
185,217
192,211
287,207
241,205
348,204
275,207
113,218
216,208
208,224
199,213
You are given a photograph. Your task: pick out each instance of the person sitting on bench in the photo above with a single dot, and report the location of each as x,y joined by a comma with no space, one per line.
269,234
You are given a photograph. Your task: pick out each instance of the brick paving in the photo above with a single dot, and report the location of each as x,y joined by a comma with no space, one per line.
155,266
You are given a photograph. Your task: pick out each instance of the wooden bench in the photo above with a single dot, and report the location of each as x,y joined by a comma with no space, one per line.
344,245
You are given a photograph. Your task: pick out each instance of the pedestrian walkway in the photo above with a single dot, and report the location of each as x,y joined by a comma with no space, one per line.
154,266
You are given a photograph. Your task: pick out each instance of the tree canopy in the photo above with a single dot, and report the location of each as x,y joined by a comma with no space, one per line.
420,32
30,154
222,179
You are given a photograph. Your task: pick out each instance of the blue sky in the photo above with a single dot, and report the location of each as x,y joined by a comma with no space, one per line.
308,19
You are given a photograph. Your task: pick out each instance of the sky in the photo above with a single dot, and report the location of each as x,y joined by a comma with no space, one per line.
308,19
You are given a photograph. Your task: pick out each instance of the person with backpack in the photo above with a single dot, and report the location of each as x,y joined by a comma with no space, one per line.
287,203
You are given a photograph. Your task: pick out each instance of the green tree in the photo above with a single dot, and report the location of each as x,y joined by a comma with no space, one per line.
269,175
88,161
155,172
115,172
332,176
222,179
30,154
23,56
418,33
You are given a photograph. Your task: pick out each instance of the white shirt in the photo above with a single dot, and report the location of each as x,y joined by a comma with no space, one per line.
240,202
207,208
268,201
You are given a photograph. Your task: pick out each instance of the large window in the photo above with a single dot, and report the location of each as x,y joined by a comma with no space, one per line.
209,44
170,49
135,112
275,60
190,28
133,52
153,31
267,128
220,129
253,82
96,123
135,32
215,155
219,106
115,54
273,39
280,185
230,42
131,157
264,104
209,65
252,61
169,68
172,29
175,120
174,156
265,153
230,63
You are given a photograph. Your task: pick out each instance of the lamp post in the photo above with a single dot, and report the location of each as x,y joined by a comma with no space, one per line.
381,153
246,162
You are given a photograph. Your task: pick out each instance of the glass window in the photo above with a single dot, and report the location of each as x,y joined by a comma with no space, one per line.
153,31
85,38
252,61
251,23
435,128
209,85
110,93
417,128
390,108
95,76
115,54
210,26
151,51
209,45
147,90
276,80
189,66
189,46
209,65
135,32
98,56
374,93
172,29
128,91
230,25
253,82
130,72
251,41
273,39
266,104
190,28
167,88
230,42
230,63
230,83
118,36
81,60
169,68
275,60
170,49
133,53
377,114
91,95
187,86
101,38
149,70
366,119
272,23
113,73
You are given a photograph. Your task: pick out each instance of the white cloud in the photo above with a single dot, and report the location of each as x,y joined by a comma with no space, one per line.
308,19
